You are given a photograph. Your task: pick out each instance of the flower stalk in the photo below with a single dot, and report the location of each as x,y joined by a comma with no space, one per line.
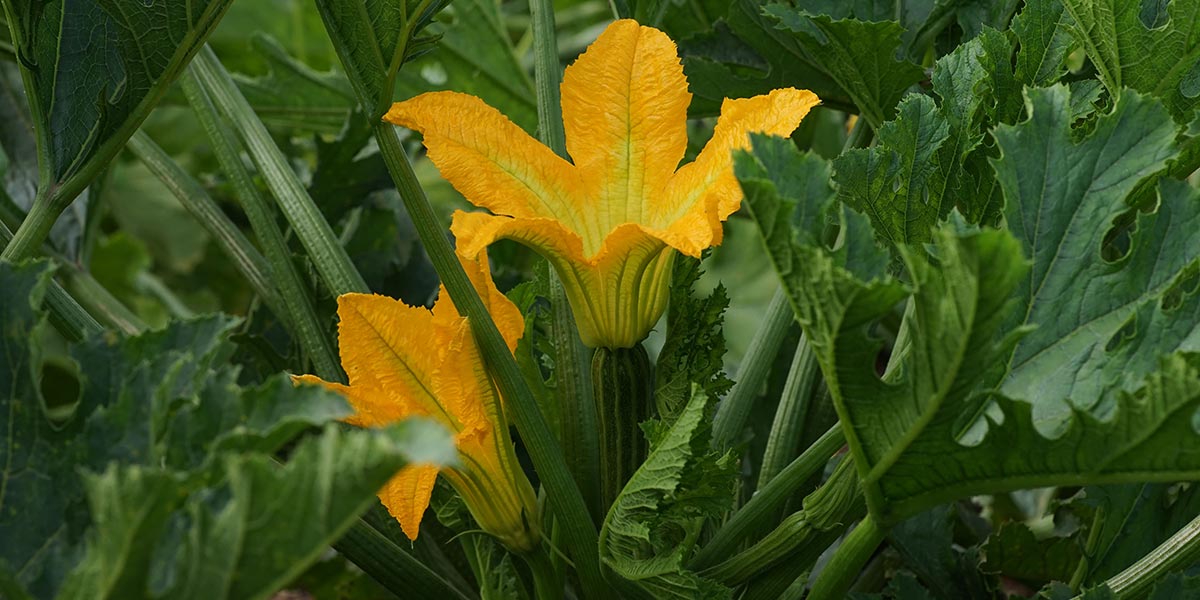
623,381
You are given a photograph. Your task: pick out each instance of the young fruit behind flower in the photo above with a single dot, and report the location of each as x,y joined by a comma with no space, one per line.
612,219
406,361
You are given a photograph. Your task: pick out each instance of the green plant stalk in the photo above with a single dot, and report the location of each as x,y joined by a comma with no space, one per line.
196,200
827,510
1179,551
577,414
790,417
97,300
758,512
327,254
295,295
579,533
734,411
574,388
623,381
149,284
547,583
391,566
54,197
847,561
67,316
1089,549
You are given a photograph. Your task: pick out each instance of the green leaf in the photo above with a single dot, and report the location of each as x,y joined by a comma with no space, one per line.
1151,47
374,38
935,398
1063,196
926,542
1043,30
237,538
1017,553
859,56
892,182
654,524
292,94
94,69
694,349
166,446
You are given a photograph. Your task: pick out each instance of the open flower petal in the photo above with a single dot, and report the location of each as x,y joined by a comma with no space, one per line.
506,315
370,409
406,496
624,106
489,159
706,190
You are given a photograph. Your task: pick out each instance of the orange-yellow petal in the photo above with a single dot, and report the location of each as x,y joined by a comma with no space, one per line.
391,347
406,496
705,191
616,296
487,158
624,105
371,408
504,313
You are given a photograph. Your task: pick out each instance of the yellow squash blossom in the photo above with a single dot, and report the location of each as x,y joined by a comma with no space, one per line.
406,361
611,219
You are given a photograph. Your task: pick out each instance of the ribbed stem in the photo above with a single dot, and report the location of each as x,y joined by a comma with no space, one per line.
758,512
547,583
33,230
67,316
791,416
391,566
314,232
308,330
734,411
623,381
841,570
1177,552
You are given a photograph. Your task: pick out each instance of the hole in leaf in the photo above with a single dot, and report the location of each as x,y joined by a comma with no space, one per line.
972,426
1154,13
1184,285
60,388
1127,331
1118,239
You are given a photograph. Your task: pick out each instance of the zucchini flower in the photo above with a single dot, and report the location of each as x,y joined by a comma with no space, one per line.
611,219
406,361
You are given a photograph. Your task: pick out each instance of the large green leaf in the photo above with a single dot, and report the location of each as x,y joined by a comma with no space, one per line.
1043,28
94,69
1062,198
169,452
936,398
860,56
1152,47
653,525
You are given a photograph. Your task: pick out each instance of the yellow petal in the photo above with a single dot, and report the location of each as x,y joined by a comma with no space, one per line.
705,192
504,313
616,296
372,408
390,346
406,496
488,159
624,105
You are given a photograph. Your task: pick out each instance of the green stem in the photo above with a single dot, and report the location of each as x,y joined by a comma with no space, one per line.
574,389
1089,550
196,200
314,232
151,285
757,513
97,300
734,411
847,561
1179,551
624,385
295,295
391,566
67,316
790,417
577,415
579,533
33,230
547,584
